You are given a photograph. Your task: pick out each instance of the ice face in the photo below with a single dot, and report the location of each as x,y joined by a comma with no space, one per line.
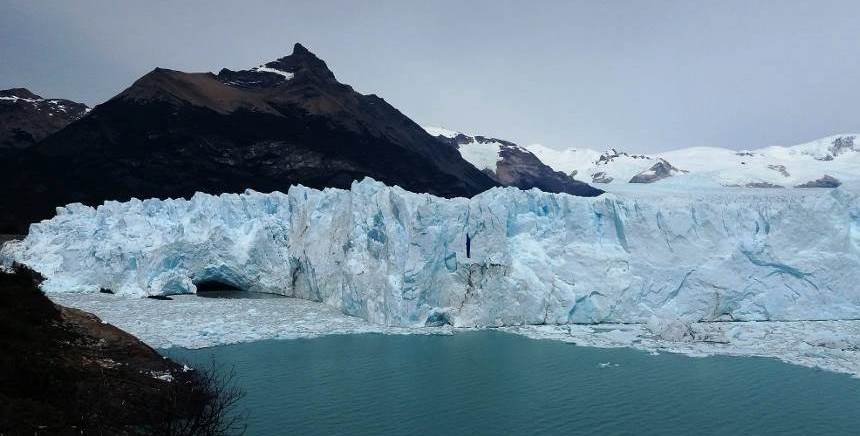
397,258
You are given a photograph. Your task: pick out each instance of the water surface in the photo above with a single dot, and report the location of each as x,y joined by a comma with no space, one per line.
497,383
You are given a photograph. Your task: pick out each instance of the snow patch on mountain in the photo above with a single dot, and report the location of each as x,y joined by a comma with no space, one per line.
15,98
483,155
440,131
482,152
264,69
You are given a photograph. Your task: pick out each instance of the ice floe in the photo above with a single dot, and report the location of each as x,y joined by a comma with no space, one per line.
190,321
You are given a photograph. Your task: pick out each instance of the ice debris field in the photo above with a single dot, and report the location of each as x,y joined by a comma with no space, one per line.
778,266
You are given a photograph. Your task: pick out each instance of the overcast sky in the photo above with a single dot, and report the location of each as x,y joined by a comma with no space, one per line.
640,75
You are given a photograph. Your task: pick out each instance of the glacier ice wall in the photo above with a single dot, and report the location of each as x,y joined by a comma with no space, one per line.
399,258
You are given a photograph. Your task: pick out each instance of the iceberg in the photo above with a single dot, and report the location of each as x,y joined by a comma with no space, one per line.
398,258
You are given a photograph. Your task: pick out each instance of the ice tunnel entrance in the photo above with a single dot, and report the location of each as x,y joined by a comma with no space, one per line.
212,288
218,289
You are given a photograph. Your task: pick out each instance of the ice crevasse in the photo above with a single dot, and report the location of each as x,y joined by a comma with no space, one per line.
399,258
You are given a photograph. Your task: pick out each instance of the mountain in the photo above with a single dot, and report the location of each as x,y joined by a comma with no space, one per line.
26,118
511,165
265,128
658,171
826,163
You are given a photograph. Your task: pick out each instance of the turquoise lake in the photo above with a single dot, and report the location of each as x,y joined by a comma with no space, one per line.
496,383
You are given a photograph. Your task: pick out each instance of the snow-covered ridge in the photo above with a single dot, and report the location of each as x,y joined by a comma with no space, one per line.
399,258
15,99
777,166
56,104
826,162
440,131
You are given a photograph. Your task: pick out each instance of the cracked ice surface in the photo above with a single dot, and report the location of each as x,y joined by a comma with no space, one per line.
194,322
828,345
397,258
190,321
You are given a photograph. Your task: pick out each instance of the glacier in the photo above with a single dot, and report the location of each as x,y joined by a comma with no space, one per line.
396,258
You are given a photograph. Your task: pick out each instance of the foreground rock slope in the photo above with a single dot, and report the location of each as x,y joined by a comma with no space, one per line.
64,371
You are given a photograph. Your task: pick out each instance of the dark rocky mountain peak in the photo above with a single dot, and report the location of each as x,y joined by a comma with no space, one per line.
26,118
301,65
842,144
302,60
825,181
23,93
172,133
611,154
659,171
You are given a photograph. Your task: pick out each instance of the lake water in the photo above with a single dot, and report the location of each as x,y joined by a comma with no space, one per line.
496,383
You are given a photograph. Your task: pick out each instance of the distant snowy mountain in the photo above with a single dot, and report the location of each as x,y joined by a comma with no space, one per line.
826,162
26,118
509,164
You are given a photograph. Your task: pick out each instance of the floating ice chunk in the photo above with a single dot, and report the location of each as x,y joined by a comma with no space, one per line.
670,329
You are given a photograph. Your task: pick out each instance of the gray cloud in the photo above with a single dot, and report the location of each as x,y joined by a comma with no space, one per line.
642,75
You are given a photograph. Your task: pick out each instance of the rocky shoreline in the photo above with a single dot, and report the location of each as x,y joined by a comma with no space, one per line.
64,371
